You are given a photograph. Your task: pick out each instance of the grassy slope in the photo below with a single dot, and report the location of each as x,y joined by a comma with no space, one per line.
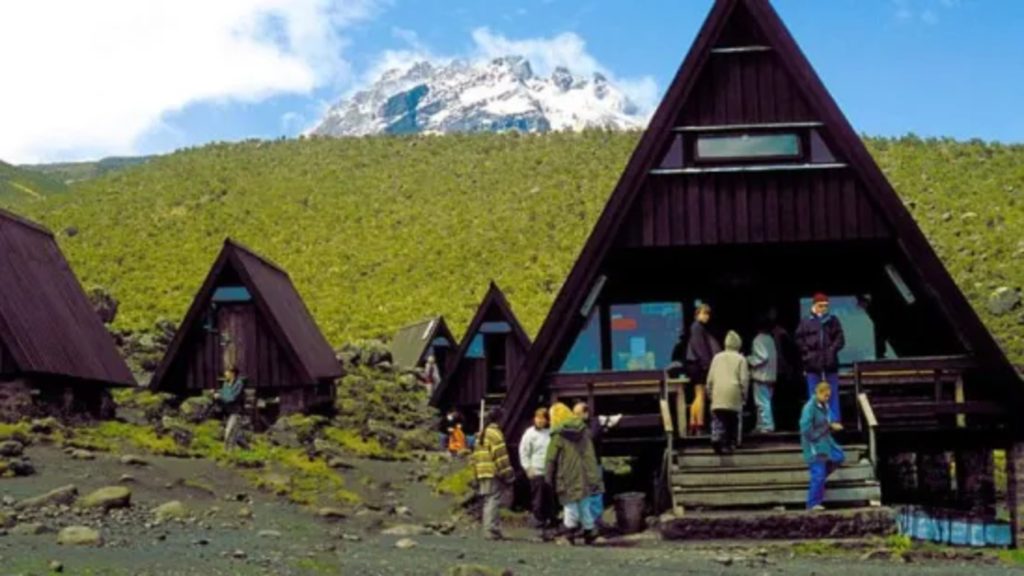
18,183
377,232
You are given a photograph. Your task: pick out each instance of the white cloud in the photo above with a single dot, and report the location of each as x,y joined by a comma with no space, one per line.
567,49
925,11
84,79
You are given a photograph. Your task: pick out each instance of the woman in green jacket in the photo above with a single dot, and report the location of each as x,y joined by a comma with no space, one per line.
573,472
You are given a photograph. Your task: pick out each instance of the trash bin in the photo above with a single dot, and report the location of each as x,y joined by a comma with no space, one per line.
629,512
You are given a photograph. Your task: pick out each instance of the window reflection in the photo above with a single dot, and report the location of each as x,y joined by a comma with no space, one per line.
643,335
585,355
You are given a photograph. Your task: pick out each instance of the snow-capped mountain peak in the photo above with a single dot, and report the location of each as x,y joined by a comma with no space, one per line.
499,95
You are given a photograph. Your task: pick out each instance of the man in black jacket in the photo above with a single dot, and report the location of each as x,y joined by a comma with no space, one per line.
820,338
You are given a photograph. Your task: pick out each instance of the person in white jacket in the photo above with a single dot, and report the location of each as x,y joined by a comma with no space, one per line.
764,363
533,449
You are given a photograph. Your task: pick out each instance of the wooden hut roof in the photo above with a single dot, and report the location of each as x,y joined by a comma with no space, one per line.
277,301
410,342
736,27
493,300
46,321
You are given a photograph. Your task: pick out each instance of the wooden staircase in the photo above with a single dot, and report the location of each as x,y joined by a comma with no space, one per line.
767,472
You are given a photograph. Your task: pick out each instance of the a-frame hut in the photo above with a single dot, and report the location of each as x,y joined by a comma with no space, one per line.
750,190
487,360
248,314
52,341
413,344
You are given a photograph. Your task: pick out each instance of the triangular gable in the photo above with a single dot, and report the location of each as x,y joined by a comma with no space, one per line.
47,323
494,301
733,27
411,342
278,304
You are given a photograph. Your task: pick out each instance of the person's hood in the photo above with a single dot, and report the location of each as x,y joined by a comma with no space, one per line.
572,429
733,341
560,413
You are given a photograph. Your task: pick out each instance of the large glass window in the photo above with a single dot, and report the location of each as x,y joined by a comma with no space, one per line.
643,335
585,355
858,328
476,347
739,146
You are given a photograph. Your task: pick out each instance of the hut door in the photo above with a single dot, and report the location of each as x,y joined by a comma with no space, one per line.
236,326
494,352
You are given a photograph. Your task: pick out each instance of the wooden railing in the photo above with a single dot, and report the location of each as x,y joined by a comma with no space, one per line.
653,383
870,422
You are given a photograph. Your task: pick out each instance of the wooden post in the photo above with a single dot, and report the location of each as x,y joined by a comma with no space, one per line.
1015,491
681,414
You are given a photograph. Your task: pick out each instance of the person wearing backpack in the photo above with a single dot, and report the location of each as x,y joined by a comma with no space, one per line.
493,471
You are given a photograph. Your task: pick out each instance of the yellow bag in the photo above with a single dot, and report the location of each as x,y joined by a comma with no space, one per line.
457,440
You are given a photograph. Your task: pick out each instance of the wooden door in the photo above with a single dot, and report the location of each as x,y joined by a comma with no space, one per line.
236,327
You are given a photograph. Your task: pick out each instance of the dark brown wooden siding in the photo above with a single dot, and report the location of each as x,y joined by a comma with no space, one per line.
744,88
752,208
7,365
199,367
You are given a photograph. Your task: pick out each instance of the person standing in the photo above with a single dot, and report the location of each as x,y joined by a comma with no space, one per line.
597,426
533,450
821,452
820,338
450,421
571,469
493,471
790,394
728,385
763,361
430,376
231,399
700,350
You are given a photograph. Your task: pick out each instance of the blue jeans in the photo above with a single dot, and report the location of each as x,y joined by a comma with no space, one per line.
763,400
596,501
833,381
579,512
820,470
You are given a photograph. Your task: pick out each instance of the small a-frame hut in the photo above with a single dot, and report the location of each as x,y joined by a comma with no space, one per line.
248,314
750,190
487,360
413,344
51,338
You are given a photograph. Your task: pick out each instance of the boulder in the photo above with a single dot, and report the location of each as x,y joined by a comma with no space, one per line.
6,520
11,448
44,426
1003,300
29,529
173,510
65,495
79,536
104,303
274,534
81,454
196,409
133,460
21,467
329,513
406,530
107,498
405,544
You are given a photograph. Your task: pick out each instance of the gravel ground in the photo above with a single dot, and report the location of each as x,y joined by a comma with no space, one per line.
282,538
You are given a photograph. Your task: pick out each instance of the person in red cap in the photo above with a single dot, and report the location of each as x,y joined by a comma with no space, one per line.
820,338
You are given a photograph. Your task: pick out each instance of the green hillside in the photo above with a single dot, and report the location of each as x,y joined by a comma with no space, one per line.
21,184
378,232
70,172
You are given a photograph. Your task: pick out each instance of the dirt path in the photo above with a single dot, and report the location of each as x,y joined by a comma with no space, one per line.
282,538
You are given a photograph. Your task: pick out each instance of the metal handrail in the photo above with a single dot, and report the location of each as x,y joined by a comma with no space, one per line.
867,413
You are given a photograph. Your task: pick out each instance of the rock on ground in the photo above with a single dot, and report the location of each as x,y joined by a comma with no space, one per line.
406,530
64,495
79,536
173,510
108,498
332,513
405,544
133,460
29,529
476,570
10,448
1003,300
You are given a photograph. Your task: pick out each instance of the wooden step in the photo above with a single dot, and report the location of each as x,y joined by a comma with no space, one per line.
766,476
794,495
755,457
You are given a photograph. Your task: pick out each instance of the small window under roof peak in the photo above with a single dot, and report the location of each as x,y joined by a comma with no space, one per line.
747,146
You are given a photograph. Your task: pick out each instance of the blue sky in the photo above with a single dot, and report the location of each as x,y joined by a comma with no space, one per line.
932,67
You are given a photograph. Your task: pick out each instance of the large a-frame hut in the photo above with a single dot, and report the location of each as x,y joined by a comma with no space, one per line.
52,342
248,315
413,344
750,190
487,360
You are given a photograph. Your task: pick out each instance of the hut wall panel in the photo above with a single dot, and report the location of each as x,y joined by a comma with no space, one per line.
744,88
752,208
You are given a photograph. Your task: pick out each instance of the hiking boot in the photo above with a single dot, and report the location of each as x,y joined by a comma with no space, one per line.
589,537
572,534
818,508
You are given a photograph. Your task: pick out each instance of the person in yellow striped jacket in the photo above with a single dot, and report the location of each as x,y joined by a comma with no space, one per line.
494,473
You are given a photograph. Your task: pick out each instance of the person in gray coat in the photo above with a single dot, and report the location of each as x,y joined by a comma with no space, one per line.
728,386
764,362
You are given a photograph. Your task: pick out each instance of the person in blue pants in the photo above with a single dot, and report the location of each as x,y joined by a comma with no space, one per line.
820,338
821,452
